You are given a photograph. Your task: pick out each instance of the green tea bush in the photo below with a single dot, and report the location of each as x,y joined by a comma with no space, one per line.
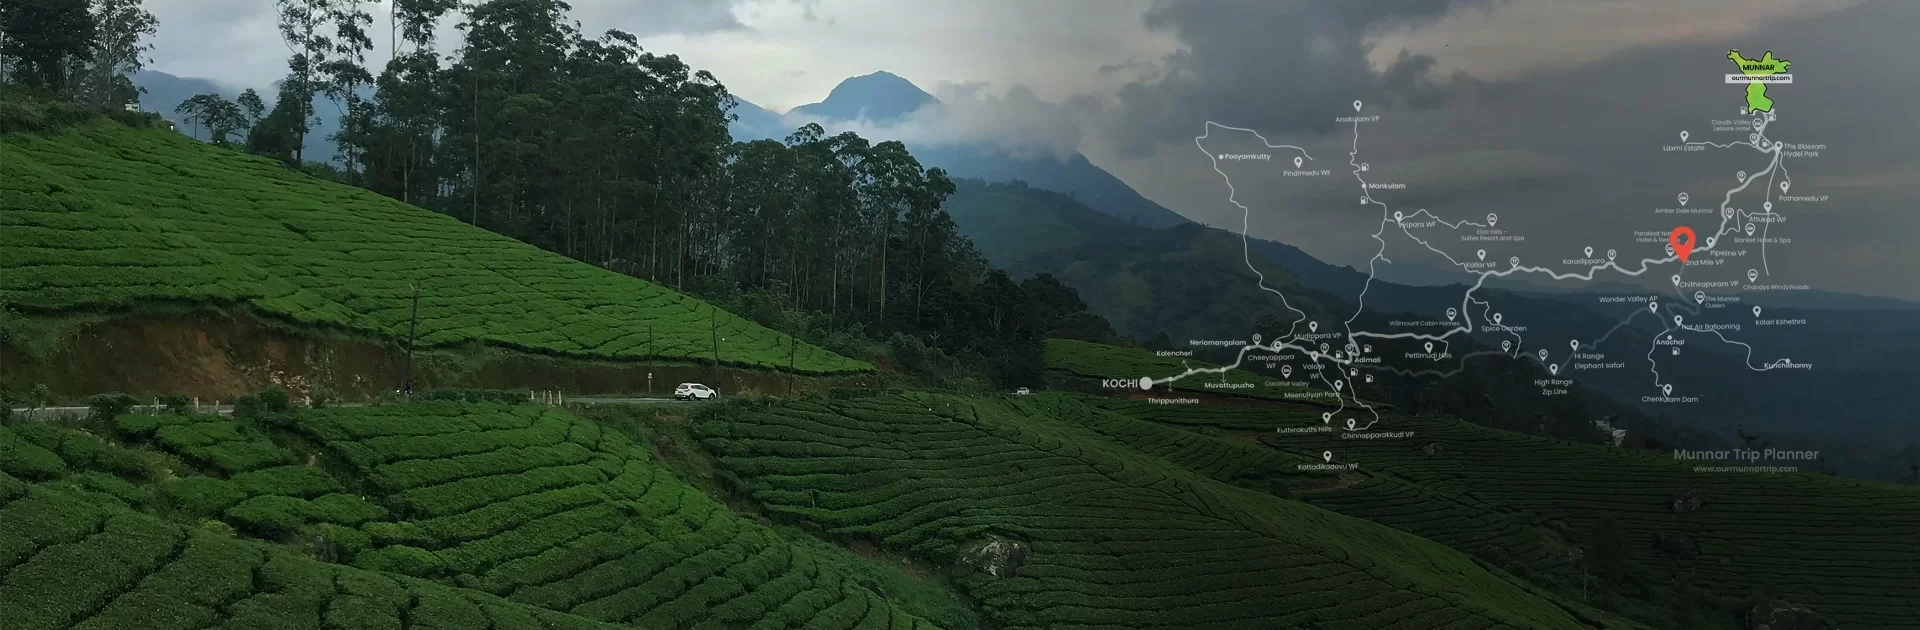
293,481
270,516
202,496
26,460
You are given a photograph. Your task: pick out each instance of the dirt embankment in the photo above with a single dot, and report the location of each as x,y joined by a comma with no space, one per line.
215,355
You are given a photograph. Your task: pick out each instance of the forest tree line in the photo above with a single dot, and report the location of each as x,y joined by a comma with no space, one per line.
596,149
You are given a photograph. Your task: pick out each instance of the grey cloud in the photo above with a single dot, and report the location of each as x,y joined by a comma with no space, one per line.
1279,66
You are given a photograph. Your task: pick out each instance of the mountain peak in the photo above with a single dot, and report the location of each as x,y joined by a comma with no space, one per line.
880,96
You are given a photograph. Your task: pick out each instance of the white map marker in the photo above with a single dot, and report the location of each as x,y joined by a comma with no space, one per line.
1496,319
1337,385
1369,378
1452,314
1483,254
1683,136
1575,344
1505,345
1323,348
1756,123
1699,297
1753,275
1783,186
1349,424
1356,106
1296,162
1742,176
1676,352
1667,389
1611,254
1749,229
1676,320
1653,306
1429,347
1767,206
1553,368
1669,249
1327,456
1313,327
1589,252
1396,216
1756,311
1753,137
1368,349
1683,199
1676,279
1324,418
1728,213
1543,354
1286,371
1492,219
1515,260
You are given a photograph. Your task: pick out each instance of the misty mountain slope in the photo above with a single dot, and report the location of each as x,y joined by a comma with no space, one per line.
883,99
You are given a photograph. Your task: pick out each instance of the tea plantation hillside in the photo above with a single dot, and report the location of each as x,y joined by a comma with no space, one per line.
1520,502
454,515
1073,530
99,216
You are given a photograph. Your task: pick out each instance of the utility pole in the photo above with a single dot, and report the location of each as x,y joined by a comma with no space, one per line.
413,327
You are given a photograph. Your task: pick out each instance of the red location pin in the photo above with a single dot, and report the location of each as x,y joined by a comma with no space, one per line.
1682,241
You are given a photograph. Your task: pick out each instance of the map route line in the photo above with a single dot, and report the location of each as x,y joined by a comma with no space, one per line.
1347,368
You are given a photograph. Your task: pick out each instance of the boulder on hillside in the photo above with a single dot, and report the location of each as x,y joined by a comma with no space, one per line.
995,556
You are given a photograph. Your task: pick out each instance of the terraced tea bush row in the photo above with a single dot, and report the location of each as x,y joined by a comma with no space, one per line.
1838,546
66,562
534,505
101,216
1072,528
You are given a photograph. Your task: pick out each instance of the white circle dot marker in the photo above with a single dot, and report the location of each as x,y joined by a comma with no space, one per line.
1699,297
1429,347
1482,254
1756,311
1496,318
1683,199
1328,455
1505,345
1711,240
1676,279
1543,354
1492,219
1653,306
1783,186
1667,389
1749,229
1677,319
1337,384
1356,106
1313,327
1297,162
1327,417
1452,314
1753,275
1349,424
1683,136
1553,368
1742,176
1146,382
1767,206
1396,216
1575,344
1589,251
1611,254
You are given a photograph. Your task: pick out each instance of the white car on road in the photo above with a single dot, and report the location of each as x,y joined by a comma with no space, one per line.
694,391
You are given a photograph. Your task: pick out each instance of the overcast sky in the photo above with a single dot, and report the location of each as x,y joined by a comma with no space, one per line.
1551,114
